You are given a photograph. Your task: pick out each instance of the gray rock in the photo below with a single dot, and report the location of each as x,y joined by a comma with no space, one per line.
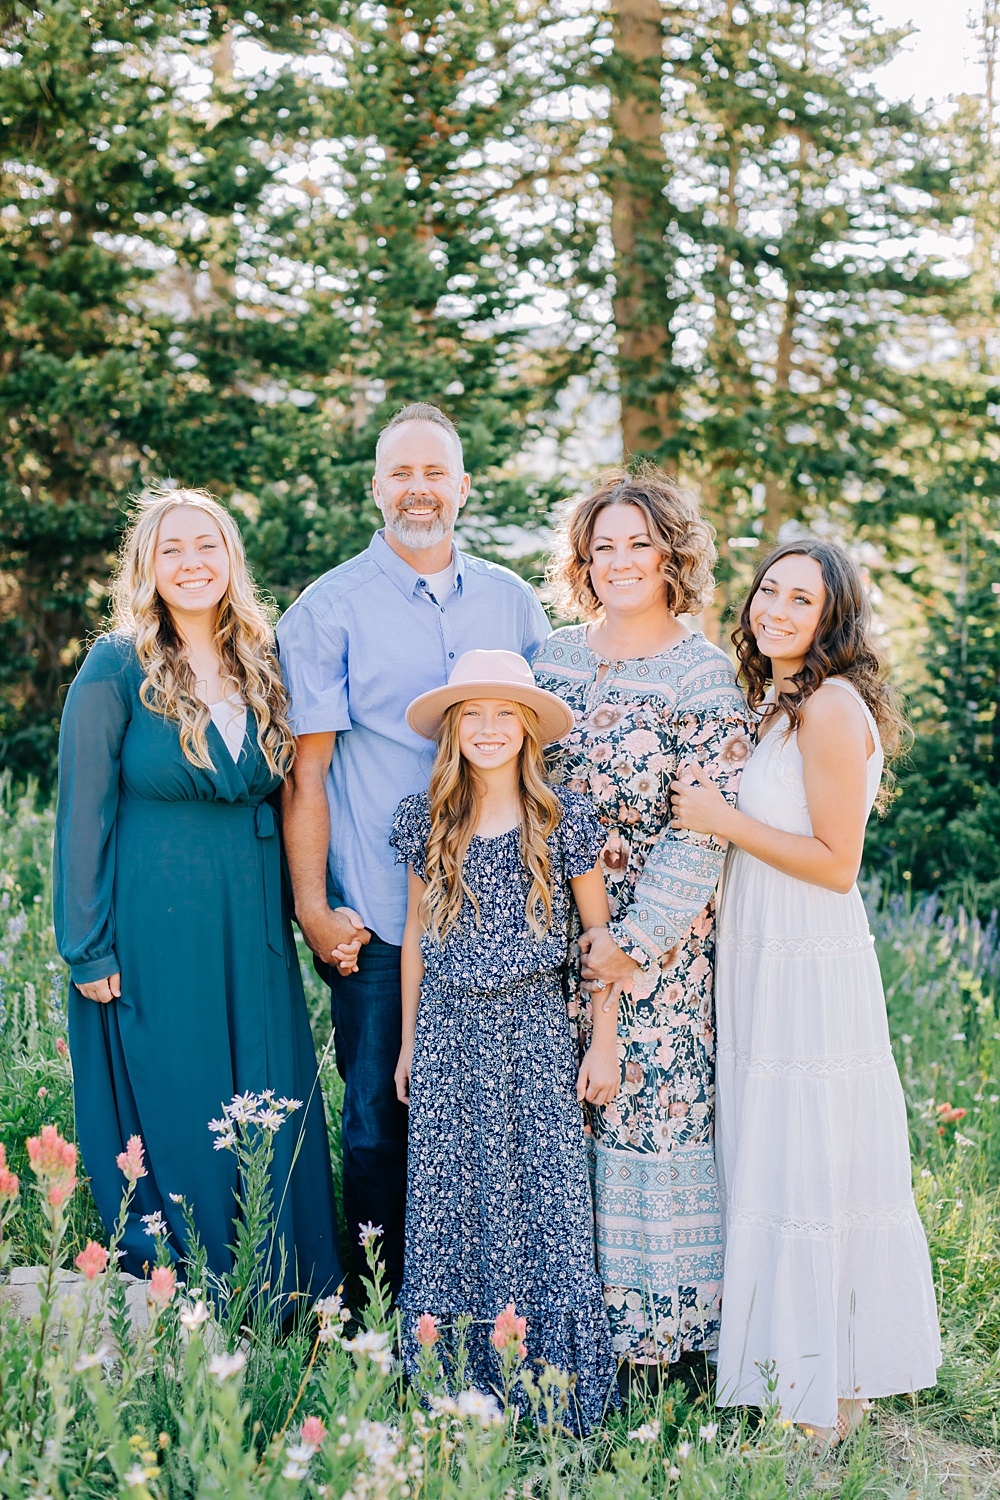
22,1293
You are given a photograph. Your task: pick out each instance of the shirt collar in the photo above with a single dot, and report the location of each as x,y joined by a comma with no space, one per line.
400,572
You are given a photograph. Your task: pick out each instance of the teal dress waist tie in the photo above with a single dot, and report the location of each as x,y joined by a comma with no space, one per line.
266,826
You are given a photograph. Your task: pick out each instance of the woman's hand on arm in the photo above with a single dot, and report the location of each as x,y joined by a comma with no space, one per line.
605,967
835,743
102,990
589,894
411,975
599,1078
699,806
591,897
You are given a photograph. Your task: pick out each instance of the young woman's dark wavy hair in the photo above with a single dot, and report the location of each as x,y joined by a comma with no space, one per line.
843,646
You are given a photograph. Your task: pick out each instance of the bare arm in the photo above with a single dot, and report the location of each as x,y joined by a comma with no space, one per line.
599,1078
411,974
835,742
333,935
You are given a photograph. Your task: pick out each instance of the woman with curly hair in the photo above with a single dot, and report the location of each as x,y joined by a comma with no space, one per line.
649,697
828,1296
168,898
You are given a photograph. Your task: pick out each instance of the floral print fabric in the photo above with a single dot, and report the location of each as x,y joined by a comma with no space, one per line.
498,1205
638,725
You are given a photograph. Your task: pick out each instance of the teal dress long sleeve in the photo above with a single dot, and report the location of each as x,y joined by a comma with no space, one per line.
171,876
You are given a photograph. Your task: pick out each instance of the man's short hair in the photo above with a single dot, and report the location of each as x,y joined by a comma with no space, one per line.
422,411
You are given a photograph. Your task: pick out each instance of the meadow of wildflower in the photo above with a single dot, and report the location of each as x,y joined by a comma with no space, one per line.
216,1393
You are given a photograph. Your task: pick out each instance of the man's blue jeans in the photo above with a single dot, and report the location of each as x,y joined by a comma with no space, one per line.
366,1009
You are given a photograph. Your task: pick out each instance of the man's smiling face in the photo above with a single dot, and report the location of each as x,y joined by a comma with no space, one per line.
419,485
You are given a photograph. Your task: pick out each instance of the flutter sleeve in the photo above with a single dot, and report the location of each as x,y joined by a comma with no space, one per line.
581,834
94,721
410,828
711,729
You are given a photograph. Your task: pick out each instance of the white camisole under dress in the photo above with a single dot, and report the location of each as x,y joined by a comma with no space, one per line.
827,1291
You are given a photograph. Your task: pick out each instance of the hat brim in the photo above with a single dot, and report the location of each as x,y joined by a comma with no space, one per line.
555,719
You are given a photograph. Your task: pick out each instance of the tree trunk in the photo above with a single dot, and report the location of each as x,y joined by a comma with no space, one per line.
636,185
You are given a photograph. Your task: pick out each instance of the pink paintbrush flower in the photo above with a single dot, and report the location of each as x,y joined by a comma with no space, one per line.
313,1432
92,1260
9,1182
54,1161
162,1284
509,1331
130,1160
427,1330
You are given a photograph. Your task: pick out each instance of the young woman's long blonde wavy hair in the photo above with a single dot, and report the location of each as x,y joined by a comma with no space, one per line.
244,634
454,799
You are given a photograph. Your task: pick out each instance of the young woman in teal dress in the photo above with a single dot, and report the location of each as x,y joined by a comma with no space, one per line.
168,897
650,696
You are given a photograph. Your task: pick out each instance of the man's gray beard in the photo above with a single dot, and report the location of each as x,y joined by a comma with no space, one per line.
416,536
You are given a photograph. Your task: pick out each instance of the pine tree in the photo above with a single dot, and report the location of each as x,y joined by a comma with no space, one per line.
787,279
231,241
941,831
428,230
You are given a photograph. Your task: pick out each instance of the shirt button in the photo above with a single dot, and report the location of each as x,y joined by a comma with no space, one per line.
451,653
421,583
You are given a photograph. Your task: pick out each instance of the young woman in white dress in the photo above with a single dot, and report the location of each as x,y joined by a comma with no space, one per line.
827,1295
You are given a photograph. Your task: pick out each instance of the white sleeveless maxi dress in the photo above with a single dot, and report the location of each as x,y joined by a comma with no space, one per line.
827,1289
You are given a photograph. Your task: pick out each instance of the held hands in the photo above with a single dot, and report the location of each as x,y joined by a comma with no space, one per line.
336,936
345,954
701,808
102,990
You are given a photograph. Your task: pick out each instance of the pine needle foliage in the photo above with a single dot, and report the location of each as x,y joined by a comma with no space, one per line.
788,201
232,241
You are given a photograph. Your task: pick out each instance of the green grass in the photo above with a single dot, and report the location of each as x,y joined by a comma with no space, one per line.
155,1423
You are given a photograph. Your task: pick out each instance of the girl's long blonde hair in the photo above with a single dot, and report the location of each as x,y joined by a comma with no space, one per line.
244,636
454,798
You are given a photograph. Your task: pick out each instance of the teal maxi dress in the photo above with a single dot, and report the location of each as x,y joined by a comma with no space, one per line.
171,876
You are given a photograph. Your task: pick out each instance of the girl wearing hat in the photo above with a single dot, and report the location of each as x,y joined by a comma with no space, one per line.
498,1194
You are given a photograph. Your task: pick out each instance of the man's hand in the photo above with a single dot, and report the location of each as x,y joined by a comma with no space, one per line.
335,936
102,990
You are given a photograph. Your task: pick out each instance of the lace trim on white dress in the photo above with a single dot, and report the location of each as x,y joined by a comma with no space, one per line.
816,942
823,1229
829,1065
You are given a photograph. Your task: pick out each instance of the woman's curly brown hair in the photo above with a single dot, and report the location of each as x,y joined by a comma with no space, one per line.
683,538
843,646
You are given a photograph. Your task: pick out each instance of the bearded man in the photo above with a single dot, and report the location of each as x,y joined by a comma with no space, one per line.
356,647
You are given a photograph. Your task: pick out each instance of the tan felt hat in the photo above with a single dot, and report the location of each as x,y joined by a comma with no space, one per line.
491,674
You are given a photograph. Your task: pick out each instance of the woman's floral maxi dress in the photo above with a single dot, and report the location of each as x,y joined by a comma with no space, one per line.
638,725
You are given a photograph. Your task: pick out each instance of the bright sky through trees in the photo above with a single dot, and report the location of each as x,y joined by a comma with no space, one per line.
941,58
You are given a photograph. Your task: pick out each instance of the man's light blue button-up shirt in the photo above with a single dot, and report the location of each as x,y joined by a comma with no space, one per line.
357,647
